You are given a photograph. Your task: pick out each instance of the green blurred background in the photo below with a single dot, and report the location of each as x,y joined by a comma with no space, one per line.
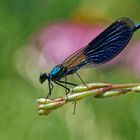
114,118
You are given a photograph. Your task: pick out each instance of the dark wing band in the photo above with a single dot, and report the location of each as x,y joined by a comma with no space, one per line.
110,42
104,47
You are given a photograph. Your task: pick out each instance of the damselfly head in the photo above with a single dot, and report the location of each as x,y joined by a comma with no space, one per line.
43,77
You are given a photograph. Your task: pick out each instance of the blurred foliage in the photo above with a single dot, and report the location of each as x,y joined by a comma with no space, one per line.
108,119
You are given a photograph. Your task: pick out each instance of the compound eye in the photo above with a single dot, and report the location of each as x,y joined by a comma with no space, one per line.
43,77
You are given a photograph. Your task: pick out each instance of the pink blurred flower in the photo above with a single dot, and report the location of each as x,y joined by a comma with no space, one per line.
60,40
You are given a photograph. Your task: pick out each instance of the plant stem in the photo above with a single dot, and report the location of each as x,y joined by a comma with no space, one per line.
98,90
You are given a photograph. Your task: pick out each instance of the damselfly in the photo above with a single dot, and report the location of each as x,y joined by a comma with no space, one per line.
100,50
